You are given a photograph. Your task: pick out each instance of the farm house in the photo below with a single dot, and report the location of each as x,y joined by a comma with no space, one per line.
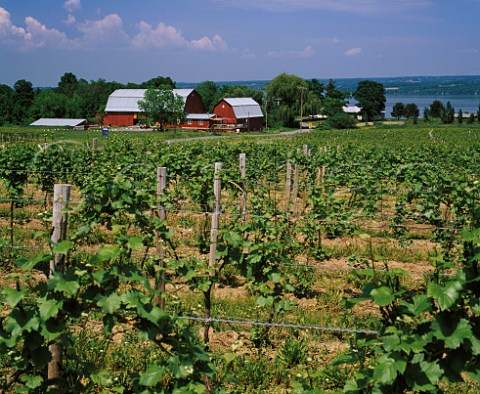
122,106
242,113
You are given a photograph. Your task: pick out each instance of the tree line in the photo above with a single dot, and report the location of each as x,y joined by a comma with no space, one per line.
436,110
284,99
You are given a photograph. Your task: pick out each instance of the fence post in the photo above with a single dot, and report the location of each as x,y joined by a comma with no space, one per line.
61,199
288,183
160,276
217,188
243,174
295,188
94,145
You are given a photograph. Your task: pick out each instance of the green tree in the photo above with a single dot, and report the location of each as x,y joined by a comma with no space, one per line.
68,84
286,89
331,91
162,106
316,87
49,104
411,111
371,98
210,93
334,100
341,120
460,116
23,99
437,109
158,83
398,110
6,104
426,114
449,114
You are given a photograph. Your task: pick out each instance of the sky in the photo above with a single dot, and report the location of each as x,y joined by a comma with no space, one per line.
236,40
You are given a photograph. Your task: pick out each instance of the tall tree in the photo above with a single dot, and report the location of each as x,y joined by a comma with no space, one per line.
286,88
449,115
210,93
411,111
6,104
437,109
316,87
371,98
162,106
331,91
23,99
398,110
68,84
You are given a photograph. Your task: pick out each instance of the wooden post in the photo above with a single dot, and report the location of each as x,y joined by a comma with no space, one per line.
217,188
243,175
295,188
61,198
217,185
160,277
94,145
288,183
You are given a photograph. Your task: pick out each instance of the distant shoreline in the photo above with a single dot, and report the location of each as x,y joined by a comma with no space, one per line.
432,86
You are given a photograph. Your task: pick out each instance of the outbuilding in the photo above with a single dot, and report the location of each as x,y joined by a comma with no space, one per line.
241,113
59,122
122,105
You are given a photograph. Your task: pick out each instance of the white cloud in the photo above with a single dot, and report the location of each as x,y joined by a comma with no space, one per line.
71,20
215,44
72,5
33,35
353,52
8,31
164,36
159,37
305,53
106,31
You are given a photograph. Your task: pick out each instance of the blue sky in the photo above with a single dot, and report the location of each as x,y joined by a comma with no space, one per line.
198,40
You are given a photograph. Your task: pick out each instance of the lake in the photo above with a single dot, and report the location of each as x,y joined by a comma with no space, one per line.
468,104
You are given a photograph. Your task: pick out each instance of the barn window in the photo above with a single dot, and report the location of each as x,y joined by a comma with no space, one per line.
200,122
189,121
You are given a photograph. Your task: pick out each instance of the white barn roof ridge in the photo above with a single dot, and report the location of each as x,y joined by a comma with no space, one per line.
126,100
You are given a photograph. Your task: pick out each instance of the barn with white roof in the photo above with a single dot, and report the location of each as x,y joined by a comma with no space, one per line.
243,113
122,105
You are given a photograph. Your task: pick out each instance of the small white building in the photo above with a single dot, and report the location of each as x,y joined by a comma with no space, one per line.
59,122
353,110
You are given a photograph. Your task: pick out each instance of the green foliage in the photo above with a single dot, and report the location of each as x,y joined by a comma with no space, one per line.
341,120
162,106
371,98
426,337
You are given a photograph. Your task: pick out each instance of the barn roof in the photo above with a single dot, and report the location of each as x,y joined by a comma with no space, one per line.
126,100
245,107
199,116
58,122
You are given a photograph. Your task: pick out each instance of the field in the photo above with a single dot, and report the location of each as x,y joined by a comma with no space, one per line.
333,261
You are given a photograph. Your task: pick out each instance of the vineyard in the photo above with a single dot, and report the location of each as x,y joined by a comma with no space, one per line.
333,261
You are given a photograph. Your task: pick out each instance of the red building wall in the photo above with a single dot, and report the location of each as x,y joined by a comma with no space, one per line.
119,119
194,104
225,111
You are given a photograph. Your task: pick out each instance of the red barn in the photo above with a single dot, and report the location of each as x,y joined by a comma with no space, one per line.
122,105
242,113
